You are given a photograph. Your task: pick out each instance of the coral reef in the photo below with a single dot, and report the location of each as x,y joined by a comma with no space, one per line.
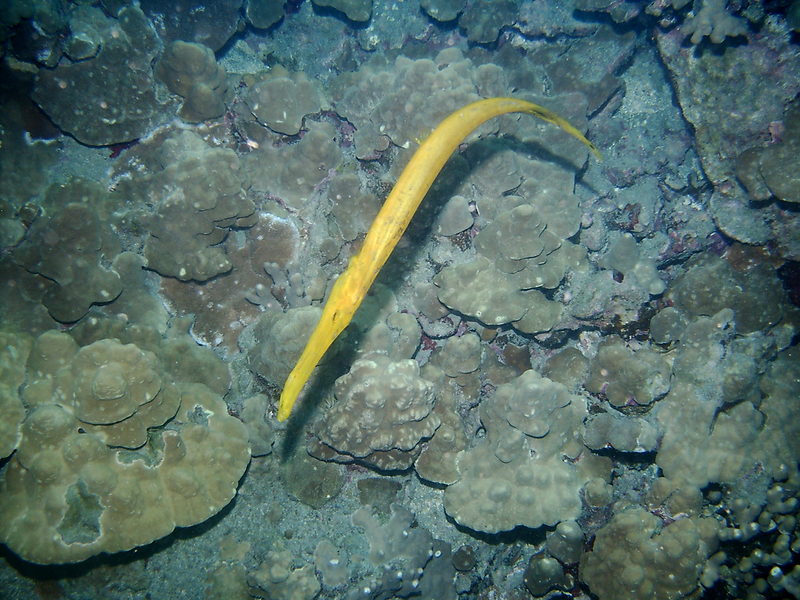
191,71
281,99
756,87
196,196
711,19
625,376
708,18
123,104
483,19
293,172
403,114
68,246
263,14
592,367
767,171
516,475
277,340
626,434
13,356
521,246
635,556
92,442
443,10
409,560
624,256
383,411
213,26
280,580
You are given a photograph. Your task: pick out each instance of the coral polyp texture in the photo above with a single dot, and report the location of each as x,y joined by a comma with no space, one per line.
69,248
383,413
570,377
92,442
517,474
195,196
282,99
122,101
191,71
646,559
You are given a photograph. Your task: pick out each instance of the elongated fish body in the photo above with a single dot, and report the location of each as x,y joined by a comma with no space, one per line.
391,222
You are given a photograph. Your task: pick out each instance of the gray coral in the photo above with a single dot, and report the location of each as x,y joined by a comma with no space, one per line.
516,475
191,71
383,412
110,98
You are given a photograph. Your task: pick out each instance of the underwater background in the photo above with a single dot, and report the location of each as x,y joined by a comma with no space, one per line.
574,378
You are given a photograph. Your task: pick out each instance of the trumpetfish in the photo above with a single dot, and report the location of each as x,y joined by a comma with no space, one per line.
391,222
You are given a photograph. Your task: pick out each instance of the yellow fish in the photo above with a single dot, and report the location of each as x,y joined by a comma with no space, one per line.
392,221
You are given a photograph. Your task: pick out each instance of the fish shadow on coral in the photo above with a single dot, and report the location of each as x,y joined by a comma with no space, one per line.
345,349
520,535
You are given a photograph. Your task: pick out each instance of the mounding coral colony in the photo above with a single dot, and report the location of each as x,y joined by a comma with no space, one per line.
391,222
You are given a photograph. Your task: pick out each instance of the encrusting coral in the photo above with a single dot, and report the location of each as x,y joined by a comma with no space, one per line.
67,247
517,475
191,71
94,444
383,414
118,80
